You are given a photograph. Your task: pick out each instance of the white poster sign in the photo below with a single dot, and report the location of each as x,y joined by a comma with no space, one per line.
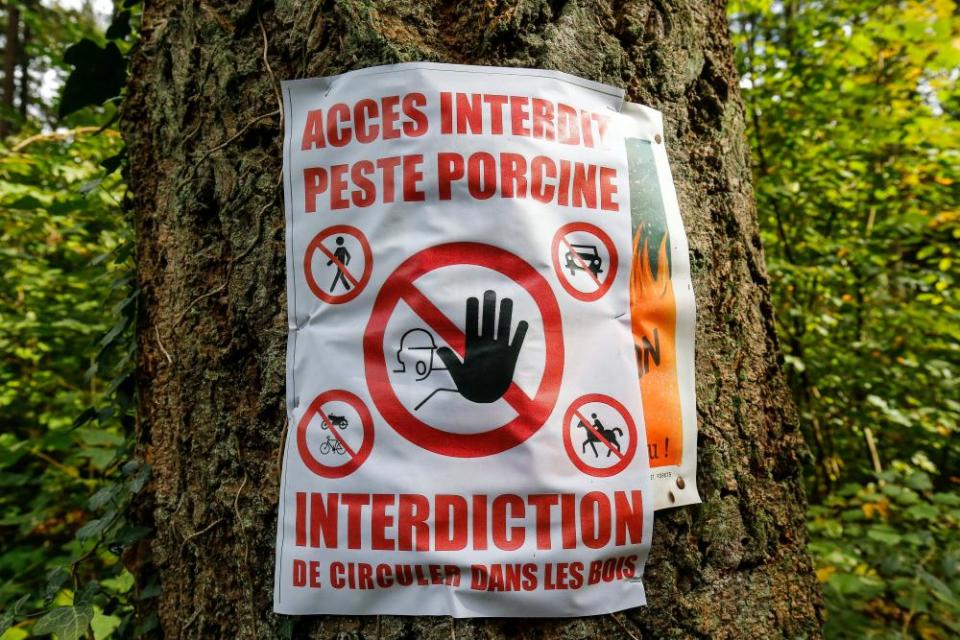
466,433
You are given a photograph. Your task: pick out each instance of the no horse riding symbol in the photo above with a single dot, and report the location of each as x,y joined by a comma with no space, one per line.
600,434
609,433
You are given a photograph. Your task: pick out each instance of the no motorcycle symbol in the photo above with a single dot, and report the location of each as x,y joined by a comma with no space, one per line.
335,435
599,435
480,359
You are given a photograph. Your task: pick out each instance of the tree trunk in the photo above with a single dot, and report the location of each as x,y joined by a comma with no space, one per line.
24,64
205,150
11,56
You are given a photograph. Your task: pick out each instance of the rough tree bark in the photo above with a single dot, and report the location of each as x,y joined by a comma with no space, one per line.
204,141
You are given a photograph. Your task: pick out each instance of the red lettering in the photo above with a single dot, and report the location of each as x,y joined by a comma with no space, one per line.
482,175
355,502
449,169
568,514
478,577
412,513
446,117
417,125
567,130
496,104
629,519
391,114
362,111
300,526
313,131
585,185
388,168
595,519
450,510
519,117
501,539
364,576
587,128
299,573
323,520
338,114
608,189
384,577
541,167
543,126
411,177
366,191
380,521
576,575
602,122
479,523
563,188
314,183
336,575
513,181
542,504
338,184
469,113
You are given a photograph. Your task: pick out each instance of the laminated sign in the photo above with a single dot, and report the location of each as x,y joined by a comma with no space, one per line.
487,283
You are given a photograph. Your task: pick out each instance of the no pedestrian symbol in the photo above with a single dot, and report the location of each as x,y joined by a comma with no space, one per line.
584,260
335,435
478,381
599,435
340,255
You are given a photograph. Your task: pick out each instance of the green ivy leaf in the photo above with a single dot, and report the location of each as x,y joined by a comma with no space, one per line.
69,623
10,615
120,27
98,75
55,580
87,593
96,527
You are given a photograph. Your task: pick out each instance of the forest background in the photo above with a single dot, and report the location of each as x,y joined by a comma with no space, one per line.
853,111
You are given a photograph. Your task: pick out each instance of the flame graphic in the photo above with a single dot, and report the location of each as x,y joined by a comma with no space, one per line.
653,313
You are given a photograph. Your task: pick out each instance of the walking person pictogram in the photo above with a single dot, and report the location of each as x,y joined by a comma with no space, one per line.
354,278
342,257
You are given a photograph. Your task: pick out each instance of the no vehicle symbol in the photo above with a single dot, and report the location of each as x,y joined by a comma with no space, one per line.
341,258
335,435
599,435
584,260
480,360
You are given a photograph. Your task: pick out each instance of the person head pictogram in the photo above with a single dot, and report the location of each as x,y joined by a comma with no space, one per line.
418,347
340,241
593,415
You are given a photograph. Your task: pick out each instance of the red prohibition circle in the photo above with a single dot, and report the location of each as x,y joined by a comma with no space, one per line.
602,287
399,286
625,458
356,457
317,245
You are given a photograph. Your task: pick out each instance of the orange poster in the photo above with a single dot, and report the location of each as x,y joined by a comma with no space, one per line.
662,316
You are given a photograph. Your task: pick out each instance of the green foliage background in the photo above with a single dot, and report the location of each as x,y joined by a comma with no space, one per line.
852,107
67,305
853,112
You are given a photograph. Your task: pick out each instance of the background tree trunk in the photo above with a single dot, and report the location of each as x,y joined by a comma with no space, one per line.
205,148
11,57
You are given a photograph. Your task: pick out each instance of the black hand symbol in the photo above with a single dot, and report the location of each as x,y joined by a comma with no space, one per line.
489,361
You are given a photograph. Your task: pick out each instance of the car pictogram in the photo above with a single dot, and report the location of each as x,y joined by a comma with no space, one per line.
589,258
